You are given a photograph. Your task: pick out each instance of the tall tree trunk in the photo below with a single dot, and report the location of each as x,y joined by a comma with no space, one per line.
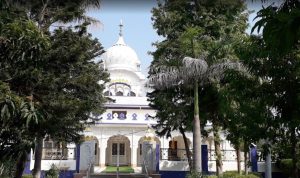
36,172
187,149
21,164
196,133
294,152
246,157
217,141
238,159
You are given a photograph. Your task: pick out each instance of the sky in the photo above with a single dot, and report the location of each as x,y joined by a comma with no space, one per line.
138,31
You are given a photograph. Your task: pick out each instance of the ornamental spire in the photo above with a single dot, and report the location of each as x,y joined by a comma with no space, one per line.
121,28
121,40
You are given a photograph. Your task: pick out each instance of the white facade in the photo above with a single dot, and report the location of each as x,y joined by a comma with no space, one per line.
126,120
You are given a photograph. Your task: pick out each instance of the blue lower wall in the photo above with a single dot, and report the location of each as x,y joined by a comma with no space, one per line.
173,174
66,174
276,175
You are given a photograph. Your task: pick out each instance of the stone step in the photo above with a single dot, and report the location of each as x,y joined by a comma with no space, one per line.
113,175
122,175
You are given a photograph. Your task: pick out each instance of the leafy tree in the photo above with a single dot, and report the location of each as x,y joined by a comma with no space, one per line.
53,72
192,71
48,12
178,107
281,34
74,92
280,26
214,24
269,100
20,53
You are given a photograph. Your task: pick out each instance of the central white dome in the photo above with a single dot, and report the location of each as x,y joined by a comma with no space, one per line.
121,56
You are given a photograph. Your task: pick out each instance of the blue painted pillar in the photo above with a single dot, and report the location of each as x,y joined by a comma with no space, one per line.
157,157
27,165
253,158
77,157
204,153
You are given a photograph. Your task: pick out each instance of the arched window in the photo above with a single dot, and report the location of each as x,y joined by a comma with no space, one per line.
119,93
54,150
119,89
131,94
107,93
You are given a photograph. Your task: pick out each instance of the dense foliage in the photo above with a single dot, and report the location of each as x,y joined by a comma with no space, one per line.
202,30
49,81
260,107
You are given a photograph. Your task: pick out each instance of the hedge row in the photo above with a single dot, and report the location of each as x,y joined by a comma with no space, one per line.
227,174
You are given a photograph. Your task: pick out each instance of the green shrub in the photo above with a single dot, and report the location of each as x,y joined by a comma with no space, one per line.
227,174
286,165
245,176
211,176
257,174
235,174
53,172
195,174
27,176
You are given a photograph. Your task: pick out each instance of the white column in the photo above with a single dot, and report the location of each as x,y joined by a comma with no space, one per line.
268,163
134,146
165,146
103,146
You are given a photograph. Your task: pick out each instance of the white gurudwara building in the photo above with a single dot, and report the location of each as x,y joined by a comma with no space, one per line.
126,120
124,124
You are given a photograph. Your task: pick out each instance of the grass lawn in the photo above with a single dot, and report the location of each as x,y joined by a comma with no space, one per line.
122,169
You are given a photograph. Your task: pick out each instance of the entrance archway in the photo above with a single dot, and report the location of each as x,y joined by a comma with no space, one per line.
176,151
139,149
112,150
96,149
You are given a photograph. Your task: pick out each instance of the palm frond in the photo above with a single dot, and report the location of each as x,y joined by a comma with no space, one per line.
217,71
164,79
91,3
193,68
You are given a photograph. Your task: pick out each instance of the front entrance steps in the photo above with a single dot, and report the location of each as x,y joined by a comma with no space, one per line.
114,175
123,175
98,169
99,174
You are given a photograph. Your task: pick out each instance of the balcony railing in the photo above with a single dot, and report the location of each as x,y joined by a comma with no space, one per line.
58,154
227,155
173,154
180,155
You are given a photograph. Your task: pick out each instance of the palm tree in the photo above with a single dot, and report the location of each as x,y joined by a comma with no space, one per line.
193,72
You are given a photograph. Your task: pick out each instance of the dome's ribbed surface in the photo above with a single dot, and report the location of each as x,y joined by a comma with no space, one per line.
121,56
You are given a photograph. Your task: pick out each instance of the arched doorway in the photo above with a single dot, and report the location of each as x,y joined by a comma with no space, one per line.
176,151
139,149
95,149
115,142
